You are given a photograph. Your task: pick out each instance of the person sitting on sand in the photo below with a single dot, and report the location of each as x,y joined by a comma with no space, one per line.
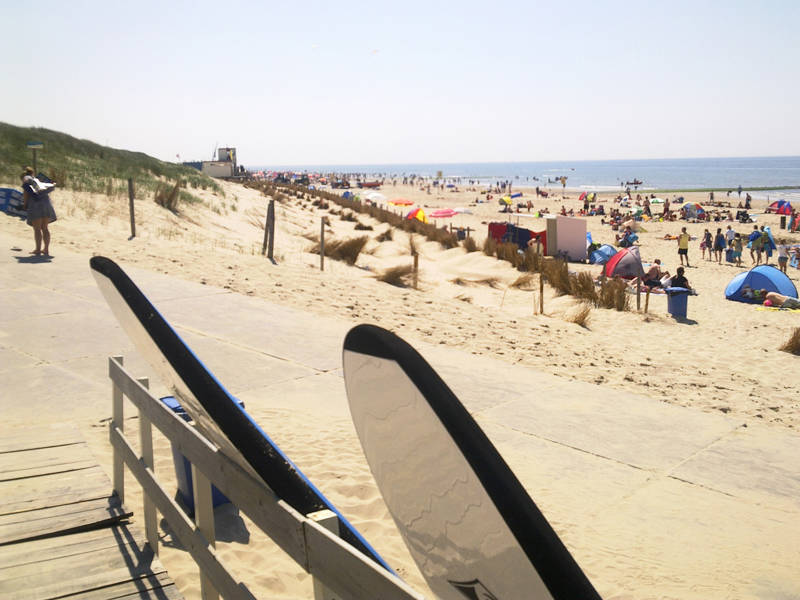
654,275
679,280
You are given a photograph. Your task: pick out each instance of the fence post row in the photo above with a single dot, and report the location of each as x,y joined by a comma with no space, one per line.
337,568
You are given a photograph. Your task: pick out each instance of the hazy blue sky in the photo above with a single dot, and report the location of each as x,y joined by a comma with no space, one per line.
374,82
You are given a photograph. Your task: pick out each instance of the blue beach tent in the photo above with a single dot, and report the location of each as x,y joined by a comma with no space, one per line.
602,254
762,277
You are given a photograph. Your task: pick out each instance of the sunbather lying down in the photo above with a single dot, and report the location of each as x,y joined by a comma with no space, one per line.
779,300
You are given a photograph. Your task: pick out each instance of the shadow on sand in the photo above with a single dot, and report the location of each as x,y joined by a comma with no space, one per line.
33,258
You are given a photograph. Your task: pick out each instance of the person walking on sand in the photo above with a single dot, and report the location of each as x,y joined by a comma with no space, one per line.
783,256
737,249
754,240
706,244
719,245
36,202
683,245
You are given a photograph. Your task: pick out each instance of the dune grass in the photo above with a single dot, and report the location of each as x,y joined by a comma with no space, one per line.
792,345
580,314
83,165
399,276
344,250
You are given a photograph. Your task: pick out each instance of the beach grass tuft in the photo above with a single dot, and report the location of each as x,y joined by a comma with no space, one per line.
523,282
398,276
580,314
470,245
386,236
344,250
792,345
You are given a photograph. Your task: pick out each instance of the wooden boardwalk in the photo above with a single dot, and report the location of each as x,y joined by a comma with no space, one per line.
62,532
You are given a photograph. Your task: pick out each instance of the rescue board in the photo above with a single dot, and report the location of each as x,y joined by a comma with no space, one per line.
215,412
468,522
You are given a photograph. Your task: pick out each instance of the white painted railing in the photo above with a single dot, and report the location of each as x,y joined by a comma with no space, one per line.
339,570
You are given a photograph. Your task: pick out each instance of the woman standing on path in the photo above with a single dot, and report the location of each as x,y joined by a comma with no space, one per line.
40,211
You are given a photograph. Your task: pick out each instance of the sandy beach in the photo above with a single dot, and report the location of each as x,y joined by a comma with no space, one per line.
724,359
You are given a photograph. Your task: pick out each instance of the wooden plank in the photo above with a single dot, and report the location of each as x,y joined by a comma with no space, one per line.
36,485
75,579
61,519
154,587
76,558
55,547
32,438
54,497
37,471
41,458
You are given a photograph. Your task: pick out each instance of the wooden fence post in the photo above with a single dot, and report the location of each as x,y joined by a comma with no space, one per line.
204,519
638,293
416,270
271,220
329,520
130,207
646,300
146,445
118,422
266,234
322,244
541,293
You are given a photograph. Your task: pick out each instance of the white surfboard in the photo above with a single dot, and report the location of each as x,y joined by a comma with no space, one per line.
471,527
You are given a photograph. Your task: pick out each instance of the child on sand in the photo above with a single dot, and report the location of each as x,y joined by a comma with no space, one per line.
737,249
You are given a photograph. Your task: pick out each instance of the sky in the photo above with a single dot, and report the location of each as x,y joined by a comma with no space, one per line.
316,83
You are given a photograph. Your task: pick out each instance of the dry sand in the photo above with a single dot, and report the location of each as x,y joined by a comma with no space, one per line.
725,358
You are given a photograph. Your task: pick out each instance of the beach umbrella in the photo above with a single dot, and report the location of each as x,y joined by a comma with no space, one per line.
581,197
417,214
656,201
375,197
442,213
401,202
505,200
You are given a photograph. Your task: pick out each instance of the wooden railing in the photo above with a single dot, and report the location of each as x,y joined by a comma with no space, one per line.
338,569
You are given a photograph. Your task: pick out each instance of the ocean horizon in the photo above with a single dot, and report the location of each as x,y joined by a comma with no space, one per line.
661,173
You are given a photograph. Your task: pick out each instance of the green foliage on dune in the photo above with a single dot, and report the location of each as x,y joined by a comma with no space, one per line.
83,165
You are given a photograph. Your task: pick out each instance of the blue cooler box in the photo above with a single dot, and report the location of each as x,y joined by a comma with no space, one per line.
677,299
183,468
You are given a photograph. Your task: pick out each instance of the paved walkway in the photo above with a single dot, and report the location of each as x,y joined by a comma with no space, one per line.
653,500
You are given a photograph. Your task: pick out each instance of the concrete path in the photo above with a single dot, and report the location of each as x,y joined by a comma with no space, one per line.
653,500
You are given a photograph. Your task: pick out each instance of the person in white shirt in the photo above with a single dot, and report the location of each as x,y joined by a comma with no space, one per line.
783,256
729,235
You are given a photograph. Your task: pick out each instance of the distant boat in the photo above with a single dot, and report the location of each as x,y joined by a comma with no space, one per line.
634,182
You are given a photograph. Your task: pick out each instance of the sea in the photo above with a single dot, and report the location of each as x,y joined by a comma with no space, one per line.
600,175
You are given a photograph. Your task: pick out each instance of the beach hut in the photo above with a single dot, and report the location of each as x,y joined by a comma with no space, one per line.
602,255
744,287
626,264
